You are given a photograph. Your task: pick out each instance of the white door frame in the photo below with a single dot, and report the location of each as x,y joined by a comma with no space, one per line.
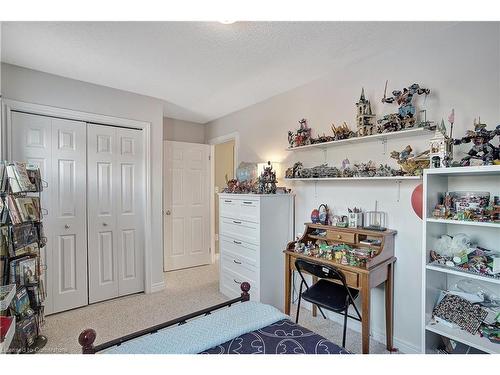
235,136
10,105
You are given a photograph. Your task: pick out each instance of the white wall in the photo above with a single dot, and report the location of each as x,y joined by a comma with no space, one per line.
183,131
460,66
41,88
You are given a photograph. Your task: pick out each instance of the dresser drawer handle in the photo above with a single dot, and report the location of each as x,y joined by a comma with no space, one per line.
247,202
236,222
237,242
235,261
236,281
227,201
339,236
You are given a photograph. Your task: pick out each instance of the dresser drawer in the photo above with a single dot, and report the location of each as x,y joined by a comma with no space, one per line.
249,210
244,250
351,278
232,262
340,236
229,208
230,282
239,230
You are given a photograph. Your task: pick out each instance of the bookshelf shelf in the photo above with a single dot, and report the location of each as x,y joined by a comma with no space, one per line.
457,272
463,222
455,333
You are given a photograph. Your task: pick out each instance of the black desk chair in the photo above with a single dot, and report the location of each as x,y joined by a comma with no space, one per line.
327,294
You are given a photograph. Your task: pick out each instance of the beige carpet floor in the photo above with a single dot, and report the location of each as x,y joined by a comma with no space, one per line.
187,291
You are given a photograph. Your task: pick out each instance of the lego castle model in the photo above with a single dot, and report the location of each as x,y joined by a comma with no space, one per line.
365,119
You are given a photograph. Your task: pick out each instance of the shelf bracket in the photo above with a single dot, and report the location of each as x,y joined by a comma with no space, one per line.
315,189
398,182
384,145
324,154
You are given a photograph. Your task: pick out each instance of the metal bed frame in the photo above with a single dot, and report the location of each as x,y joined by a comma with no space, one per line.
87,337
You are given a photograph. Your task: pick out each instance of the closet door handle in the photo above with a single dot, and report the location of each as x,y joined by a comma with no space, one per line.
247,202
227,201
236,281
237,242
66,226
104,224
235,261
236,222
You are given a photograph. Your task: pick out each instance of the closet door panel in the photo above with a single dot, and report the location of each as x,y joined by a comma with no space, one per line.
130,214
68,212
102,241
31,141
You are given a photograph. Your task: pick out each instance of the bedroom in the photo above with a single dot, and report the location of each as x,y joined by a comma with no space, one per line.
157,169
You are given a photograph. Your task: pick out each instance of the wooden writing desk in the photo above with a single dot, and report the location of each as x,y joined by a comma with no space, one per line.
379,269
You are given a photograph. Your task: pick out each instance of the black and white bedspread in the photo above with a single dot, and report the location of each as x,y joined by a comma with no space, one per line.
282,337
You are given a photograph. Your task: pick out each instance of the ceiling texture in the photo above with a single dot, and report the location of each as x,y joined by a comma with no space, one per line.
201,70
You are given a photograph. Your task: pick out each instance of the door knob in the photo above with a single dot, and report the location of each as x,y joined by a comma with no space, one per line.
104,224
66,226
168,212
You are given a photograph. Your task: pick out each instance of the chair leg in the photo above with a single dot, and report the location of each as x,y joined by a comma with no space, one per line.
321,311
345,327
298,304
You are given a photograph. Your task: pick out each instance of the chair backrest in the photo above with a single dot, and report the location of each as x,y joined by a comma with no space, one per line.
319,270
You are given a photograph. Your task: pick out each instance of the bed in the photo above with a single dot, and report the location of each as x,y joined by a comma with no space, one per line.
238,326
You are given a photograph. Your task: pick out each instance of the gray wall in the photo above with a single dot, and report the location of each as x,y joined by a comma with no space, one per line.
41,88
183,131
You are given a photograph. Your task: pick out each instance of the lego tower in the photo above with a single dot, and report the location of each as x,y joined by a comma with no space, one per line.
364,116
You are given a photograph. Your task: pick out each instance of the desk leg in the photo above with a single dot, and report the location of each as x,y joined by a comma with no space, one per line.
365,314
389,306
314,308
288,281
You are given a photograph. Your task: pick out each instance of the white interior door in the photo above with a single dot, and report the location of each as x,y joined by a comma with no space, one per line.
59,148
186,205
115,212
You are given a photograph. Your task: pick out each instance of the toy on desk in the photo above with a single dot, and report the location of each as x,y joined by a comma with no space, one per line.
375,220
354,217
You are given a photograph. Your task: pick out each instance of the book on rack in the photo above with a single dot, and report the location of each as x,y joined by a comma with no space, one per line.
5,324
7,293
34,176
21,302
26,332
18,179
23,209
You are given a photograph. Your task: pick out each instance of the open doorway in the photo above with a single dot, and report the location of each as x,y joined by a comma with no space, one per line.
224,164
223,171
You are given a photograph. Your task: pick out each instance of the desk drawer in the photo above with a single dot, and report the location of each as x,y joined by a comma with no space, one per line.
351,279
244,250
232,262
340,236
240,230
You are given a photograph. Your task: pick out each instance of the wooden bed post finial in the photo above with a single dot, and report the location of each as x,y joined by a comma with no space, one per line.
86,340
245,287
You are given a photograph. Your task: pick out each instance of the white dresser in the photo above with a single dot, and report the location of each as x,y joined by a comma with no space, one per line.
253,232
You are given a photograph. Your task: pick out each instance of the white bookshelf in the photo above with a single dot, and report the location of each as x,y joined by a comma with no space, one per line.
368,138
436,278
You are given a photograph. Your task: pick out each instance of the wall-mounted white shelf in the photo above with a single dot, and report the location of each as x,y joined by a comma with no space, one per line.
374,137
392,178
475,341
485,224
457,272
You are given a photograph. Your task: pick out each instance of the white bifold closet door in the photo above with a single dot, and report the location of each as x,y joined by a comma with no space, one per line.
116,188
58,147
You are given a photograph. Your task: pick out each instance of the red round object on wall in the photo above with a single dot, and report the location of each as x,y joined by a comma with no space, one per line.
416,200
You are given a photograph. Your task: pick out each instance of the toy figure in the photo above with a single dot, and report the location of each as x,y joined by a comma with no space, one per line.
411,164
404,99
483,152
267,180
342,132
301,137
364,116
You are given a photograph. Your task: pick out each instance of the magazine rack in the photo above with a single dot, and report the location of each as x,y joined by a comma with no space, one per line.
21,240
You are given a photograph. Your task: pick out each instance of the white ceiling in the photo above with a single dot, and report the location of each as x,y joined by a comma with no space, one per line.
201,70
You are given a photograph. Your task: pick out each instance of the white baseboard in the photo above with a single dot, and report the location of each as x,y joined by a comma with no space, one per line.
158,287
402,346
